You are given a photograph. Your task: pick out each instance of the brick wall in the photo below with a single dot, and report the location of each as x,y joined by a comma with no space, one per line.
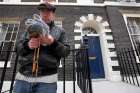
69,15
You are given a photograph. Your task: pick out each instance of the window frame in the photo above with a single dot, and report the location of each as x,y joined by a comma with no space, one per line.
13,29
58,23
125,16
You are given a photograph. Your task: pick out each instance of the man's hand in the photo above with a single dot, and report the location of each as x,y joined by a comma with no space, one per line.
46,40
34,43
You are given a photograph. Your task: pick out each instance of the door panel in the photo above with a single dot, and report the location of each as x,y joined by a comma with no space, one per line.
95,57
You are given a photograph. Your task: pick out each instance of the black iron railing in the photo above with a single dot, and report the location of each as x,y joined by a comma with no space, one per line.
5,56
129,61
81,70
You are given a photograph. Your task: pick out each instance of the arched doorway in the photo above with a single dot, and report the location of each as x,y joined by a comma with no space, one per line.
94,52
103,36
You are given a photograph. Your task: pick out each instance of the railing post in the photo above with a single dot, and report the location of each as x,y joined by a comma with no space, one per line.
1,47
134,64
130,71
88,71
122,71
138,54
128,80
64,75
14,72
87,77
73,58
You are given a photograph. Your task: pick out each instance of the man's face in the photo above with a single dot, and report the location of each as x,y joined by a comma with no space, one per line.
47,15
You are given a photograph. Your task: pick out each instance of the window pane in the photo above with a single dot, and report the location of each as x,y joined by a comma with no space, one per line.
3,31
11,27
5,47
134,29
58,23
15,28
14,36
134,25
8,34
89,30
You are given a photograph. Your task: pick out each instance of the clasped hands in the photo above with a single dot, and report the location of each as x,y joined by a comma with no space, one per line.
41,40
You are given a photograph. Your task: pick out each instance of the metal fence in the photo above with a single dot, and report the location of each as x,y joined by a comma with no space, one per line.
5,55
129,61
81,70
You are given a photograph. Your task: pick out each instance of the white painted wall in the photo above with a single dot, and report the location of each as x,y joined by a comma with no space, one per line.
104,50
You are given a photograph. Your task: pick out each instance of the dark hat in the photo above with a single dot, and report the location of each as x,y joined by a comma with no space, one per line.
46,5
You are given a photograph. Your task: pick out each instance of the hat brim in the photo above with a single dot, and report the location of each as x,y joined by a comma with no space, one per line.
48,7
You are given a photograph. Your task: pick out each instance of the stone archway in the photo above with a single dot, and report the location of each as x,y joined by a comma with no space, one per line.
106,40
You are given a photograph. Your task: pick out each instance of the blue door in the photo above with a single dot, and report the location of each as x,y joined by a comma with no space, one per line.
95,57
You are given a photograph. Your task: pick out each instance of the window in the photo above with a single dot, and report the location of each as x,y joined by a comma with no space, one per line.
133,24
8,35
58,23
89,30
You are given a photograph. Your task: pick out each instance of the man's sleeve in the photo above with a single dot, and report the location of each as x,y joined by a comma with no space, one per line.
61,47
22,44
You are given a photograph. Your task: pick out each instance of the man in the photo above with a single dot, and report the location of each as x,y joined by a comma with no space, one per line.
51,48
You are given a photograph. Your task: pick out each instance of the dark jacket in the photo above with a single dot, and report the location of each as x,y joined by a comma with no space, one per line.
49,55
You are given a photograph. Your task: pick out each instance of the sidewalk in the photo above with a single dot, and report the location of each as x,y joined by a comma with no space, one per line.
114,87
